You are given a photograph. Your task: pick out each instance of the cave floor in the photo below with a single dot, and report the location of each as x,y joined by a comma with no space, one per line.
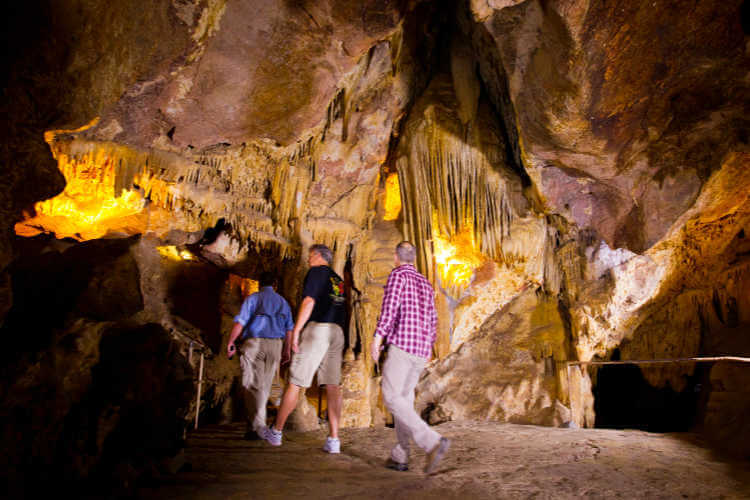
486,460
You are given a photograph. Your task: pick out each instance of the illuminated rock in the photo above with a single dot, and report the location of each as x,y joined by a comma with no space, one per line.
572,173
511,370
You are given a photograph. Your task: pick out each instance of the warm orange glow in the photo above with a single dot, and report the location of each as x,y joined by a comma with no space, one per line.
89,195
50,135
171,252
392,197
246,285
88,205
456,257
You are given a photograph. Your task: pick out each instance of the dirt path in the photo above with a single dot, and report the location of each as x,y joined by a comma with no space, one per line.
487,460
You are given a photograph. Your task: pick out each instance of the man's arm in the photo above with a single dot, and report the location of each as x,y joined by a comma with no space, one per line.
231,348
375,347
388,311
286,353
433,321
246,312
305,310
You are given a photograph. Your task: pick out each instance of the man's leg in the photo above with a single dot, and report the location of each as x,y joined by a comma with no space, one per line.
288,404
400,453
272,351
396,374
250,363
301,372
329,374
334,396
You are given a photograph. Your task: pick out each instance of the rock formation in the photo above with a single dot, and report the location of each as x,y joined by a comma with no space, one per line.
573,173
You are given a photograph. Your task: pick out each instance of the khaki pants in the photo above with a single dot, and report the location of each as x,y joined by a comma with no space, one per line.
401,373
259,362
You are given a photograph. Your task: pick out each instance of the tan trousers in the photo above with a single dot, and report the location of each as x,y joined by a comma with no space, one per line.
401,373
259,362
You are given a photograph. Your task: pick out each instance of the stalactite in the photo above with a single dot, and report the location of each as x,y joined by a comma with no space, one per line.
336,110
450,186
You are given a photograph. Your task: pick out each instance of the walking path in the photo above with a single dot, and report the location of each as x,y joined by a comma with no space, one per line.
487,460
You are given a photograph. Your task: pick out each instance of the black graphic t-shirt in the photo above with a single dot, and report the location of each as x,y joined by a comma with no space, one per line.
327,288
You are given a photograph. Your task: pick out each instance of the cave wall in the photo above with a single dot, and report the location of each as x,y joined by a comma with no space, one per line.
618,104
594,153
84,376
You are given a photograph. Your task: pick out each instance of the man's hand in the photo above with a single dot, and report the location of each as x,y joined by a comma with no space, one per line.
375,348
233,336
286,353
295,342
305,310
286,350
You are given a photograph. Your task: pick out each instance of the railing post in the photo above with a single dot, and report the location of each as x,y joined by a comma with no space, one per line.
200,383
570,397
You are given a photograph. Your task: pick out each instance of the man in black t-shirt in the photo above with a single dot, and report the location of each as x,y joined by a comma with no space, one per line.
319,347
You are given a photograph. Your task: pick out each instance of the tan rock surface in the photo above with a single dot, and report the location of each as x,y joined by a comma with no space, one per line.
487,460
596,150
511,370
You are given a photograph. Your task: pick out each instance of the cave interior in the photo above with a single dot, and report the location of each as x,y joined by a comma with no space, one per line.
574,174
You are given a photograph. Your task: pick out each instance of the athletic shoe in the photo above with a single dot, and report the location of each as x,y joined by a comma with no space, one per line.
437,453
333,445
392,464
271,436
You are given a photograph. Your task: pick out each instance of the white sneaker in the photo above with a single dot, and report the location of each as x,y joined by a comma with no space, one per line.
333,445
271,436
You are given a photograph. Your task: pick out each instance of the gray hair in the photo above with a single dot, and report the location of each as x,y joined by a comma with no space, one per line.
406,252
323,251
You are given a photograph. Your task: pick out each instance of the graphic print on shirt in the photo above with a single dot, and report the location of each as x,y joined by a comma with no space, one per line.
337,290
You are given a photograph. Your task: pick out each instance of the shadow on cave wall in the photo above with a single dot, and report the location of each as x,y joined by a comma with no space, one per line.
88,396
195,291
623,399
98,280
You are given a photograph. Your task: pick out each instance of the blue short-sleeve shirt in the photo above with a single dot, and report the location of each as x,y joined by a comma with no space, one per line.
267,301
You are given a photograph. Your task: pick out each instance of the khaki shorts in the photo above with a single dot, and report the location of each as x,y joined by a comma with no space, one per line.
321,348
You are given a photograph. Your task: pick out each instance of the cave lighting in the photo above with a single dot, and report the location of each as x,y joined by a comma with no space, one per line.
245,285
88,201
456,257
392,197
171,252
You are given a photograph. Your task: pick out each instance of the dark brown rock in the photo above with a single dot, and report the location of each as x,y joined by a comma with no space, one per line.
619,99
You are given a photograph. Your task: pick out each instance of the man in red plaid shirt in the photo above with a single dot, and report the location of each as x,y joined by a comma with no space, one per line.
407,324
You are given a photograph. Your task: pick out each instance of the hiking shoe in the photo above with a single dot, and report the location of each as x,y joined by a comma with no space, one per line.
333,445
271,436
437,453
399,466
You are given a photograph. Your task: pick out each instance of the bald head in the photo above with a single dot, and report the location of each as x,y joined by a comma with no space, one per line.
406,253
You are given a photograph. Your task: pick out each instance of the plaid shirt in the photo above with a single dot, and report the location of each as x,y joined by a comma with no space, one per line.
408,318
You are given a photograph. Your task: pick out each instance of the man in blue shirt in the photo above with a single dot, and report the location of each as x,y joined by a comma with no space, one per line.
265,323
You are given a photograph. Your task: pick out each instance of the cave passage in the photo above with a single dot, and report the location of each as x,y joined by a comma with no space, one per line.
624,399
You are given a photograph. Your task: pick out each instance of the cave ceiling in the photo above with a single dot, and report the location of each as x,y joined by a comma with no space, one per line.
595,150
